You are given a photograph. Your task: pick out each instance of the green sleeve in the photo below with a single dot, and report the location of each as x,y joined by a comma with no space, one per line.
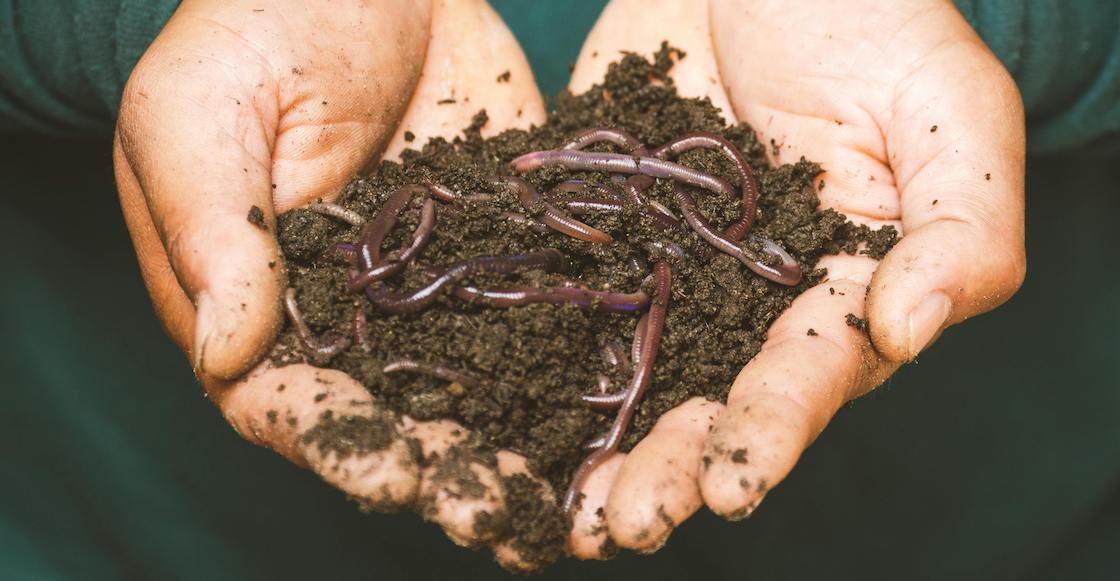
63,63
1065,57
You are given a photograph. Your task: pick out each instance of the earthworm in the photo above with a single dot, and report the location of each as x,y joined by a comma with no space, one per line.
442,192
788,272
310,345
614,356
420,239
592,445
579,187
620,163
604,401
438,371
639,338
635,187
671,250
748,184
585,298
378,227
335,211
582,206
662,217
519,218
552,217
346,251
446,194
360,329
600,134
604,382
388,301
655,326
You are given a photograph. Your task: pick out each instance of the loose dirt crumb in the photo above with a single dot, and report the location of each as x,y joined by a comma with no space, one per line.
256,218
858,323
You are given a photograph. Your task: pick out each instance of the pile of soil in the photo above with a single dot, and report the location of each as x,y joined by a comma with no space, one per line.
534,362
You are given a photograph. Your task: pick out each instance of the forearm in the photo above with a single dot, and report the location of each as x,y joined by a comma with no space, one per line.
63,63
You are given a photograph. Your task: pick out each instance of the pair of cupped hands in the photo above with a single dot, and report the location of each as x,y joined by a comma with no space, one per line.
277,104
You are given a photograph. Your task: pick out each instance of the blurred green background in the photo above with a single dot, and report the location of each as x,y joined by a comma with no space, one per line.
996,456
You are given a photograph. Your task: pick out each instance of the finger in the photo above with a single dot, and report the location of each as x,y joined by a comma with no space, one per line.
199,132
641,26
461,492
778,404
529,500
590,538
473,63
325,420
960,142
933,138
434,437
657,487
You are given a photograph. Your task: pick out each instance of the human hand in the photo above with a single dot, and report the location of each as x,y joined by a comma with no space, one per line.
274,105
916,125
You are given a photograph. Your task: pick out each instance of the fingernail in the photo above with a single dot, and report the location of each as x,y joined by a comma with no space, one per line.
203,325
927,319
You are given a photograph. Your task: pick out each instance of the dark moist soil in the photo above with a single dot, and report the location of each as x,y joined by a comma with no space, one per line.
535,361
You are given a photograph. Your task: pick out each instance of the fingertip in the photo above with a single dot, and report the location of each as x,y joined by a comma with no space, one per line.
461,492
590,537
237,302
657,489
938,275
750,452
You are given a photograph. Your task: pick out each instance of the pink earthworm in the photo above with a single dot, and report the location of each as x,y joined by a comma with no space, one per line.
553,217
659,305
438,371
389,301
748,184
311,346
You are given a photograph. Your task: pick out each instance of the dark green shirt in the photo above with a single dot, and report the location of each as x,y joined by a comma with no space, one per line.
63,63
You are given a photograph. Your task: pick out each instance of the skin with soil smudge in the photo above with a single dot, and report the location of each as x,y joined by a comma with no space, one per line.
535,361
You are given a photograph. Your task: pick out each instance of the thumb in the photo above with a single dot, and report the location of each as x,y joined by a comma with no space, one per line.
206,127
957,147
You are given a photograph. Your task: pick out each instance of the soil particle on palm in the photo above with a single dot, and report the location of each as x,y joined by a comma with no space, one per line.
534,362
858,323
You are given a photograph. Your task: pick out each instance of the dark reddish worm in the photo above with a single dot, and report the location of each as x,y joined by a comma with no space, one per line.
663,278
625,164
787,272
311,346
388,301
552,217
421,237
438,371
601,134
748,184
611,401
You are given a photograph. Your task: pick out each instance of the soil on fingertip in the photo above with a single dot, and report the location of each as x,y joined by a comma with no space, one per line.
534,362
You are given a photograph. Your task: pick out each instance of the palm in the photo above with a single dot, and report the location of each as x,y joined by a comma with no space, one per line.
237,106
911,119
